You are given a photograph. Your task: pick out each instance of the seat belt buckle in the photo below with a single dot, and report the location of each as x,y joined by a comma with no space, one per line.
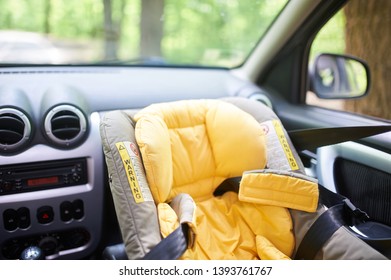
357,212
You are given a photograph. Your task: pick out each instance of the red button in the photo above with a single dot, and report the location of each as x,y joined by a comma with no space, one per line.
45,214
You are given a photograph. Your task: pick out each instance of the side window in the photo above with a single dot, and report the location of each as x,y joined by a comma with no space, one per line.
360,30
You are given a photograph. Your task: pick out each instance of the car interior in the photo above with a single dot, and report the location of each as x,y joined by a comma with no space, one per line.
55,193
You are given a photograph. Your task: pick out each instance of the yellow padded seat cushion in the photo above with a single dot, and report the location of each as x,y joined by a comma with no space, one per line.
270,188
192,146
230,229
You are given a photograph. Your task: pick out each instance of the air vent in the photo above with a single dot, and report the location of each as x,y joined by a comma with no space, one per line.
15,129
263,99
65,125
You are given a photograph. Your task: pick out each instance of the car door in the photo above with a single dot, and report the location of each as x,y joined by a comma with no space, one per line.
359,169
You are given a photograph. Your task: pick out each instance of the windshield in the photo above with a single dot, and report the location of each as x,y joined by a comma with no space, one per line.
211,33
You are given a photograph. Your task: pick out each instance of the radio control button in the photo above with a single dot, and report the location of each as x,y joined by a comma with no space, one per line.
66,211
7,186
66,179
10,218
76,177
18,184
45,214
23,217
78,209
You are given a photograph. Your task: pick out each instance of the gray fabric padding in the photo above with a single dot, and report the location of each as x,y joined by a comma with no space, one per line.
302,221
184,206
255,108
342,245
138,235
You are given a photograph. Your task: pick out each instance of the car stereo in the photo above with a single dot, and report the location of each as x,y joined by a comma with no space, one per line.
40,176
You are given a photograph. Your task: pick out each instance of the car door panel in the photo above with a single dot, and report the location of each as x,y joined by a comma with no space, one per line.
360,170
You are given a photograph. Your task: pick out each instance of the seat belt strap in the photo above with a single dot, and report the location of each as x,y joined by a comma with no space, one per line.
320,231
228,185
171,247
307,139
340,212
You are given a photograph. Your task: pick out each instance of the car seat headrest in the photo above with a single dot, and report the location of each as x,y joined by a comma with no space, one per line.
186,143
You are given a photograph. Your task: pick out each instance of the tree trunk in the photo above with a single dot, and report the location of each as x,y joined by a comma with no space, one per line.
48,11
151,27
368,29
111,36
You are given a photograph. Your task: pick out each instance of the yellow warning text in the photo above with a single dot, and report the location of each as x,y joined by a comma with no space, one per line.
285,145
130,173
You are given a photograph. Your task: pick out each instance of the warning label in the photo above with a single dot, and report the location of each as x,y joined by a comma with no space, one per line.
134,171
279,154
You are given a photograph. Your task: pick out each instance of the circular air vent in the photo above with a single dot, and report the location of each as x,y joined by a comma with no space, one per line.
65,125
15,129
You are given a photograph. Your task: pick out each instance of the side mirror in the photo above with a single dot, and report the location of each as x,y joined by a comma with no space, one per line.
339,77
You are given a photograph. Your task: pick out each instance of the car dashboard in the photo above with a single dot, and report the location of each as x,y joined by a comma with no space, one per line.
54,190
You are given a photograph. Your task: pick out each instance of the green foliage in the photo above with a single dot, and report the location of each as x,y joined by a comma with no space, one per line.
215,30
208,32
67,19
331,38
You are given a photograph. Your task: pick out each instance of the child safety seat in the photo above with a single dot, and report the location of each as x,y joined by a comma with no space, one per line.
169,165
